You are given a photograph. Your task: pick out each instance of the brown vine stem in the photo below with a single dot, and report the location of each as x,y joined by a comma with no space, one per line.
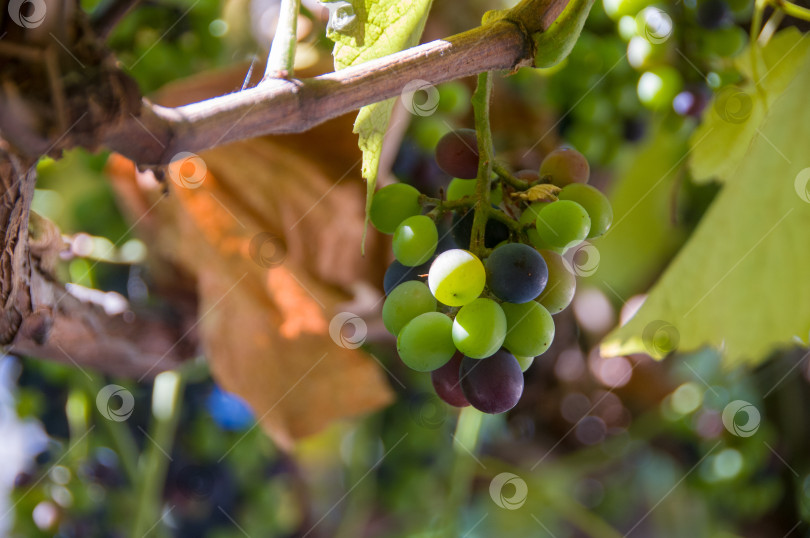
287,106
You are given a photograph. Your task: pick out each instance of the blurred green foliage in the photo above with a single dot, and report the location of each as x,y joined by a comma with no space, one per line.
648,457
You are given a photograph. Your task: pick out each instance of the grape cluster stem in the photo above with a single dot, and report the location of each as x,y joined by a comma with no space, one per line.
480,102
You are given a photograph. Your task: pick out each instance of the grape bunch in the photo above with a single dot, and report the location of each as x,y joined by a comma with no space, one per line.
476,314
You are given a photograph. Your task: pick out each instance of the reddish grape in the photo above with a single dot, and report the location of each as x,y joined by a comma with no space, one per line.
457,154
446,382
564,166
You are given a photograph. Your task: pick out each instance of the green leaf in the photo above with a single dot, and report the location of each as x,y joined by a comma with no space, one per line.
364,30
732,118
740,283
643,237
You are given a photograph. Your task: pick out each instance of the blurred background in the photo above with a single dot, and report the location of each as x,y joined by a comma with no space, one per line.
598,447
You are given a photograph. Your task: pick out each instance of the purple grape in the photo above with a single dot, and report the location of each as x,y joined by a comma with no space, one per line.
492,385
516,273
446,382
457,154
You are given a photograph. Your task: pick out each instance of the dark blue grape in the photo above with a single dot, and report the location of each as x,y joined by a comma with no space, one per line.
397,273
494,233
492,385
516,273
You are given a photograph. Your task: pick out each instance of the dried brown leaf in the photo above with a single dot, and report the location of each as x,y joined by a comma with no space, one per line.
264,318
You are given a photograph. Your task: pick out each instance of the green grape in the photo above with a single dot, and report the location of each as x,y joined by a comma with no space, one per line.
426,342
459,188
479,328
529,216
393,204
524,362
415,240
456,277
657,87
561,285
595,203
529,328
404,303
563,224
